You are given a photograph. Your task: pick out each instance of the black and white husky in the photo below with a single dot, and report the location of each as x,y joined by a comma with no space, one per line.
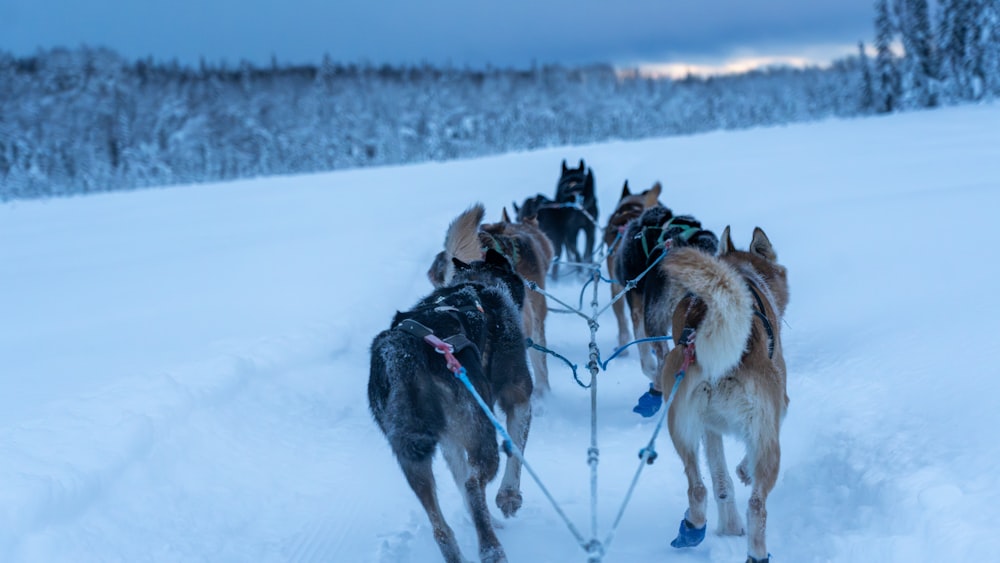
420,404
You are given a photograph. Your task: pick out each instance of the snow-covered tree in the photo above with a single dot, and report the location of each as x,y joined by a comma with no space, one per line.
888,90
866,102
920,80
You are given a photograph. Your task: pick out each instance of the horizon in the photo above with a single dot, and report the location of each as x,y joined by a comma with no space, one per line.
821,57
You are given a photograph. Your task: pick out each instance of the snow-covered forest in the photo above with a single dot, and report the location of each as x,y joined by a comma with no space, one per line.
88,120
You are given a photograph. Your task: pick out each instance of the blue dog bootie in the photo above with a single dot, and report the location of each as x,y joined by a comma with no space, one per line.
688,535
752,559
649,402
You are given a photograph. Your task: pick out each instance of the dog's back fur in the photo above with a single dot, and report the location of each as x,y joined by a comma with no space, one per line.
420,405
735,303
646,239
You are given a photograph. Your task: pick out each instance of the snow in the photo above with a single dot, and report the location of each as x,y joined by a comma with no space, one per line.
183,370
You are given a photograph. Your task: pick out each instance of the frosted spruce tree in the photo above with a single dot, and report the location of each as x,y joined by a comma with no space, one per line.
888,91
920,81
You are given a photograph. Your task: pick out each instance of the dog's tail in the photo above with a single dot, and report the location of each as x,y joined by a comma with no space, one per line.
721,337
462,240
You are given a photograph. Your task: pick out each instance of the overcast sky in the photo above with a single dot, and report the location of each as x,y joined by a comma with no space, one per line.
459,32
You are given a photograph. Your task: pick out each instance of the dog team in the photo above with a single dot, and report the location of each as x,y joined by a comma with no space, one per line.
728,304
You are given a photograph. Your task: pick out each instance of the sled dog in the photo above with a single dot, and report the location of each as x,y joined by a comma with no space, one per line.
630,206
562,223
734,303
419,404
576,185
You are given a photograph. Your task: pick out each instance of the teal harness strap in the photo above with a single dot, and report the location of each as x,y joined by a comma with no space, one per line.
687,231
510,253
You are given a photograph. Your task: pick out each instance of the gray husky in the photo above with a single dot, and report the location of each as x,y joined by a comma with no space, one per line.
420,404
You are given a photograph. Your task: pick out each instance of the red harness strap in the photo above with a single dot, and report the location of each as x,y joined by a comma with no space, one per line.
448,350
687,340
688,355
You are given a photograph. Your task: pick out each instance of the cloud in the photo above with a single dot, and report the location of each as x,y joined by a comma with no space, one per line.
509,33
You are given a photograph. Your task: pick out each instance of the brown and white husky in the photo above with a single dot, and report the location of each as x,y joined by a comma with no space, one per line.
736,384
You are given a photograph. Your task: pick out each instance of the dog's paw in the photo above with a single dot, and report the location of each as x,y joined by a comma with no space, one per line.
509,501
688,535
743,472
538,405
492,554
730,522
732,528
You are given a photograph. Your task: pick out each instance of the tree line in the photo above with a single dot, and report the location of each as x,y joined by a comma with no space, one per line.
75,121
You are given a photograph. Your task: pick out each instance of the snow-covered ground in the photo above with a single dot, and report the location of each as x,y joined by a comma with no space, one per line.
183,370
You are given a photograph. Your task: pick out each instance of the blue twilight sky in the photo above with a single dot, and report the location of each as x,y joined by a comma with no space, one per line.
460,32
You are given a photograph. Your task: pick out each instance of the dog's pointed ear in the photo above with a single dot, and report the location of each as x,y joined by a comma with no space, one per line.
504,217
590,179
725,242
761,245
564,166
459,265
625,192
494,258
653,194
517,210
581,165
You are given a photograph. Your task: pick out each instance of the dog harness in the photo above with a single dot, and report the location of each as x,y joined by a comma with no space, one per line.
458,341
758,312
626,212
687,229
509,250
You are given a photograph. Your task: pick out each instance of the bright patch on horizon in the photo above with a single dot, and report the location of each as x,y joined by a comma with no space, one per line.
742,62
737,66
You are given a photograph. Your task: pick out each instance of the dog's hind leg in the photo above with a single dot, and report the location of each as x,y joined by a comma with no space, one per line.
588,246
697,493
474,464
557,250
686,432
490,550
517,406
766,458
533,317
619,309
636,307
420,476
647,354
730,523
